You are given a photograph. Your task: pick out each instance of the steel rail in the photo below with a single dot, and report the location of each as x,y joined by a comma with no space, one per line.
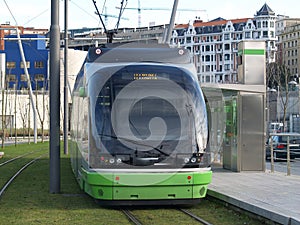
18,173
18,157
195,217
131,217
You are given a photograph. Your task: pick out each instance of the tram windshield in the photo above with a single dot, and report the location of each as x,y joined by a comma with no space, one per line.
147,109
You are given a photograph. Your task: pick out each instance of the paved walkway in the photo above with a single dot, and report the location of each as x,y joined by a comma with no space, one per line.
275,196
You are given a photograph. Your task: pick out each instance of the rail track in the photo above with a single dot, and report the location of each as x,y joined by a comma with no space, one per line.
19,157
132,218
18,169
197,218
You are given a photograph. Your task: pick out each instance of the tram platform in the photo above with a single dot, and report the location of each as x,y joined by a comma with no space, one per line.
274,196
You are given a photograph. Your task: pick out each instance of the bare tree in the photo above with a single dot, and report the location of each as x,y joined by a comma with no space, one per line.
41,115
23,106
279,77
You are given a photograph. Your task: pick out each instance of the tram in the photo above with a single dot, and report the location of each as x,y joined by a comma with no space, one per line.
139,127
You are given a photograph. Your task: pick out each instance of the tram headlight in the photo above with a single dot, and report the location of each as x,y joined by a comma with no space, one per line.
119,160
193,159
186,160
112,160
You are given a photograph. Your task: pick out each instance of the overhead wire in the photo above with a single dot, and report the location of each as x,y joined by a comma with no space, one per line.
12,15
38,15
122,8
103,7
98,13
81,8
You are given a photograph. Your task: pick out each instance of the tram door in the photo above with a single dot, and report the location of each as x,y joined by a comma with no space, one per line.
230,134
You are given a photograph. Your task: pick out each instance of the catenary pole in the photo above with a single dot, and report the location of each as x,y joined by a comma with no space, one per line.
172,23
29,86
54,99
66,105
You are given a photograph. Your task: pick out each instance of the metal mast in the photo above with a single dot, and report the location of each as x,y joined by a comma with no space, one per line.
54,99
66,103
172,23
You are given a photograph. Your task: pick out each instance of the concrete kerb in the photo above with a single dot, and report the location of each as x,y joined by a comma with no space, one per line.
273,216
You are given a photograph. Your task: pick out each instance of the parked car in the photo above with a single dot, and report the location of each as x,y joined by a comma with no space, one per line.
280,146
275,127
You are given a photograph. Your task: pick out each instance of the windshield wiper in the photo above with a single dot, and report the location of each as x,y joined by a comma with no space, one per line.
137,142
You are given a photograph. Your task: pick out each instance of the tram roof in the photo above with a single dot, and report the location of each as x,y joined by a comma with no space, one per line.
145,53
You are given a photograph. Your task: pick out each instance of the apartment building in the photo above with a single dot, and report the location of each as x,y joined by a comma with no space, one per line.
213,44
288,47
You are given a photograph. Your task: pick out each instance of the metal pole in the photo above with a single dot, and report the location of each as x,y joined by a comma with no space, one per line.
66,104
54,99
29,87
272,155
172,22
288,158
278,105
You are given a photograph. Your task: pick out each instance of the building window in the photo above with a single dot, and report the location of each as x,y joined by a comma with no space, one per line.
227,67
226,36
226,46
265,34
271,24
265,24
259,25
39,64
207,67
23,77
207,49
10,65
11,77
27,64
227,56
247,35
39,77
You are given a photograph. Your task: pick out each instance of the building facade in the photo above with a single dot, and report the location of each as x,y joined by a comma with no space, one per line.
36,57
214,44
289,47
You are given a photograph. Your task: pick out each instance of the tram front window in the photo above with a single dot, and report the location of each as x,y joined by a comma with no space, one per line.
150,118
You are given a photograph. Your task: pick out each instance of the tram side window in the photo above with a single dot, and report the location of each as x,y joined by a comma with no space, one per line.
102,111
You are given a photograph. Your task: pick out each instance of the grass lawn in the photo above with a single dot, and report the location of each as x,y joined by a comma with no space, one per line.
28,201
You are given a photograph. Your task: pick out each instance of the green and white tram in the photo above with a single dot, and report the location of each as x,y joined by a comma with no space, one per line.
139,127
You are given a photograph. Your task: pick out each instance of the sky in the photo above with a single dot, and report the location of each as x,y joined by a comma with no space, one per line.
37,13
